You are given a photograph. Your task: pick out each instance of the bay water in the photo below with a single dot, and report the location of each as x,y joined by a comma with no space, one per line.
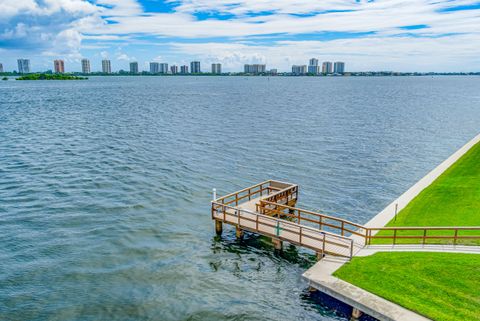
105,185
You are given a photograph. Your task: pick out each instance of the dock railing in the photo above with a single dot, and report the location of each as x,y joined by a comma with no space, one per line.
421,234
314,219
320,241
271,190
272,200
392,235
249,193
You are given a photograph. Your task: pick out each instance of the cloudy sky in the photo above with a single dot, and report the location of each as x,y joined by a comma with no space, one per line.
400,35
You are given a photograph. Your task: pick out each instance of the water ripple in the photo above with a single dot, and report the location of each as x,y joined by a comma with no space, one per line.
105,185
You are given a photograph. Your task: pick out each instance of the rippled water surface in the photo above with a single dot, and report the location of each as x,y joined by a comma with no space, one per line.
105,185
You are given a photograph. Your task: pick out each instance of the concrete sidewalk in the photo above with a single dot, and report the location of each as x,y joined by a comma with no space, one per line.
371,249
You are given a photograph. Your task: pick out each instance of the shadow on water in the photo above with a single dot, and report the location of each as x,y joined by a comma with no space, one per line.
262,245
291,254
321,302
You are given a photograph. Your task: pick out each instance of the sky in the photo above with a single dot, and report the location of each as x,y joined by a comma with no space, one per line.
389,35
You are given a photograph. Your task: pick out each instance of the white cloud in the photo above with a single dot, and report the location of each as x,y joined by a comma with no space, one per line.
450,37
11,8
398,53
378,16
124,57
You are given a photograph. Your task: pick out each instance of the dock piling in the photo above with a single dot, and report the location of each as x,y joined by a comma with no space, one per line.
239,233
356,314
218,227
278,244
320,255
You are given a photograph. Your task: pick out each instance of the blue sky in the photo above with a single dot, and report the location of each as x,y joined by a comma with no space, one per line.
401,35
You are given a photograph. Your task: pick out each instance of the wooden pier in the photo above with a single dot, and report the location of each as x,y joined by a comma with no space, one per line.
268,209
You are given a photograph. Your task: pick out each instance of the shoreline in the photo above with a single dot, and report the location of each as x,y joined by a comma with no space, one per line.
279,75
320,276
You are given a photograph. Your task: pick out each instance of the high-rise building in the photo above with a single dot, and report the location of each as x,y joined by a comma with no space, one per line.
59,66
85,66
327,67
254,69
195,67
154,67
313,67
1,68
299,70
314,70
184,69
174,69
339,67
23,66
106,66
216,68
134,67
164,68
313,62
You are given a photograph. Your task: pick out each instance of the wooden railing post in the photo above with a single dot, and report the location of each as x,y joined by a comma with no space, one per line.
343,226
394,236
323,246
256,223
424,236
455,237
351,249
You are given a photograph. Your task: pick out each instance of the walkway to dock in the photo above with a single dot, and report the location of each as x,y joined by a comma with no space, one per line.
445,248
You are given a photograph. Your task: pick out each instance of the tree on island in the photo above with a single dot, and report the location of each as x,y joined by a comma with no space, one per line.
50,77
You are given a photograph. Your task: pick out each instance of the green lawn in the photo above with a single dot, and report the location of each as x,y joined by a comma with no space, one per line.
453,199
440,286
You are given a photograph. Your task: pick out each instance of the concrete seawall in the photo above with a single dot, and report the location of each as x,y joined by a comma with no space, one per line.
320,276
388,213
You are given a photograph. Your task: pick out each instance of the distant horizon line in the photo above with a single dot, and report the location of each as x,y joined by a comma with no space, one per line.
122,72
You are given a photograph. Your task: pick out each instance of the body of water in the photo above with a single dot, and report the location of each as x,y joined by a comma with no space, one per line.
105,185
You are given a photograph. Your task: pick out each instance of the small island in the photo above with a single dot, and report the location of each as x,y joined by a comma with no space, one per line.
50,77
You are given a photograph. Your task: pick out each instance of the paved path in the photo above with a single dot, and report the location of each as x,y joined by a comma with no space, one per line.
371,249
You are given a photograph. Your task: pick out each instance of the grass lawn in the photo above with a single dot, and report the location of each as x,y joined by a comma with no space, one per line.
453,199
440,286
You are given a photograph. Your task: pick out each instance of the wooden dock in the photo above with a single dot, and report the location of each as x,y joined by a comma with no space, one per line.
268,209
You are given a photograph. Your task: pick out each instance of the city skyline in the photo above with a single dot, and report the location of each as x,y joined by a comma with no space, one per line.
372,35
195,68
